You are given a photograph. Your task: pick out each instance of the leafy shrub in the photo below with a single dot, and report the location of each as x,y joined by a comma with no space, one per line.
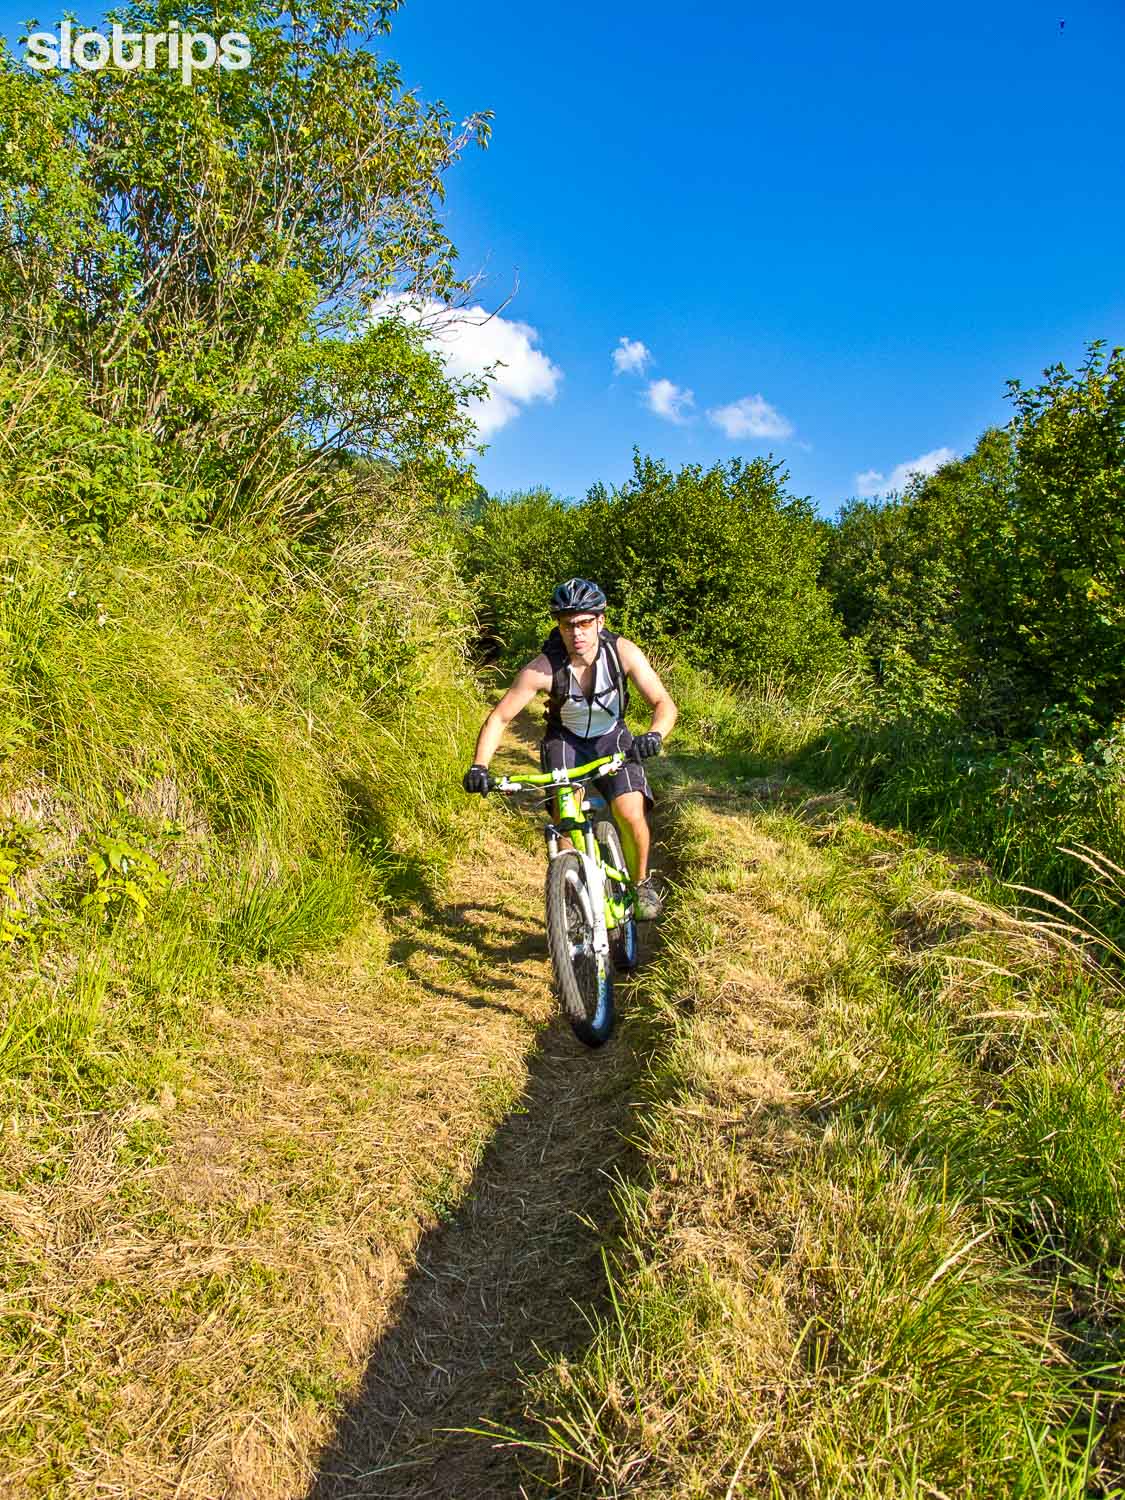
20,850
717,568
126,875
513,550
1003,573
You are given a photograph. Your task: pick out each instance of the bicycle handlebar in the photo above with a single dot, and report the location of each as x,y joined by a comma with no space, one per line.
605,765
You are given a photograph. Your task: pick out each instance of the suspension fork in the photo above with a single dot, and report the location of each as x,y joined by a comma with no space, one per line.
592,893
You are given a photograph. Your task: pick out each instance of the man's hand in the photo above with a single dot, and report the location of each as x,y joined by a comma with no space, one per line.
648,744
475,778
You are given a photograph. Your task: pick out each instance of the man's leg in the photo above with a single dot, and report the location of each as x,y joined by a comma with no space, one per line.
629,814
556,752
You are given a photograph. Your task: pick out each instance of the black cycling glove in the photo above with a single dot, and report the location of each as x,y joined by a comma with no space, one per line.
475,778
648,744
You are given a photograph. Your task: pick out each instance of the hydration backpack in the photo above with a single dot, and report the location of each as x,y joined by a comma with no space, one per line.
554,649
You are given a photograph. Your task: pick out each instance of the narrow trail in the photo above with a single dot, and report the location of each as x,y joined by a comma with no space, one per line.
505,1281
489,1290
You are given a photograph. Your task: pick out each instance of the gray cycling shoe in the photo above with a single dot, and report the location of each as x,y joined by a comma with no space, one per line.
649,903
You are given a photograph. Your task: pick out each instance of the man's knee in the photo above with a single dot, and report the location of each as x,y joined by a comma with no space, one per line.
630,808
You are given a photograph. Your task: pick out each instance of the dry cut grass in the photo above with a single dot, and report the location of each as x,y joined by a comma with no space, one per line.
193,1284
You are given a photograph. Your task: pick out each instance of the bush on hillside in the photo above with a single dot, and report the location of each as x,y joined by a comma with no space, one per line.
717,567
512,551
1004,573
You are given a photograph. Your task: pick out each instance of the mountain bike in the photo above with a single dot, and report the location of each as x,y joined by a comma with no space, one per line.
591,928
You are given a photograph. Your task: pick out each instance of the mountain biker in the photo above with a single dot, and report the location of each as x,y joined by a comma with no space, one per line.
584,669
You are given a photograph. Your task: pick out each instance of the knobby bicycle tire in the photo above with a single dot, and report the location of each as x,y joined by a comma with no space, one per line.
622,940
584,980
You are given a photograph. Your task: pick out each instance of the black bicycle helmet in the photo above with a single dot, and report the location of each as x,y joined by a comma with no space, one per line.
577,594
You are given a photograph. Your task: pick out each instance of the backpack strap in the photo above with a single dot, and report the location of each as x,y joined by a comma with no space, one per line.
616,671
554,649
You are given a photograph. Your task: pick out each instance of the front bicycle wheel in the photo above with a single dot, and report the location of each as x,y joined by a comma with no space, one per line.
584,978
623,939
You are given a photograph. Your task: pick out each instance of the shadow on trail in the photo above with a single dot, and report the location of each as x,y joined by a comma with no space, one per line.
455,938
492,1287
458,932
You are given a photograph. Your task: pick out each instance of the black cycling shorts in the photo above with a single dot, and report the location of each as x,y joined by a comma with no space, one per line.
561,748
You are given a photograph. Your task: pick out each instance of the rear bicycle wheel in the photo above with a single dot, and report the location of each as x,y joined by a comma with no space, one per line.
623,939
584,978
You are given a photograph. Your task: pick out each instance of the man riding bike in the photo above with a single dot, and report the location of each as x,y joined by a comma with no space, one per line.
585,669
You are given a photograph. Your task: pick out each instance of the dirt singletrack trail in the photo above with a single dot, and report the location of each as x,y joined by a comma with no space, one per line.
497,1287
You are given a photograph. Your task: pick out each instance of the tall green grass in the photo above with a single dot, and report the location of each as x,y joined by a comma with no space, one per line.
905,750
218,747
753,725
913,764
877,1249
983,1055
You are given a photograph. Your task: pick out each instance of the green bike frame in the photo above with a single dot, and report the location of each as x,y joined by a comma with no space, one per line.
616,889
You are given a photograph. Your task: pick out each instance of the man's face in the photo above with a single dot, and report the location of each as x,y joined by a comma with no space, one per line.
579,632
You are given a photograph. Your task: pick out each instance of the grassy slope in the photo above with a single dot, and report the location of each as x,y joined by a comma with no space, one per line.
219,751
193,1282
877,1248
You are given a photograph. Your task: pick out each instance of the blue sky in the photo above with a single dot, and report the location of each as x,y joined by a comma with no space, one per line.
869,215
841,229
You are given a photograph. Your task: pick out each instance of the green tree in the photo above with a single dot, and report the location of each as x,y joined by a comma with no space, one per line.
1029,531
718,565
206,258
1061,571
1004,572
901,571
864,555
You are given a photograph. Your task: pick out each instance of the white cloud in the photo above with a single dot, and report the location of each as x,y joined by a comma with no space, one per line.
669,401
869,483
631,356
470,340
873,482
752,416
928,463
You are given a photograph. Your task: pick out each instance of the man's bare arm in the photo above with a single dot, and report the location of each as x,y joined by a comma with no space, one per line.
652,690
534,678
